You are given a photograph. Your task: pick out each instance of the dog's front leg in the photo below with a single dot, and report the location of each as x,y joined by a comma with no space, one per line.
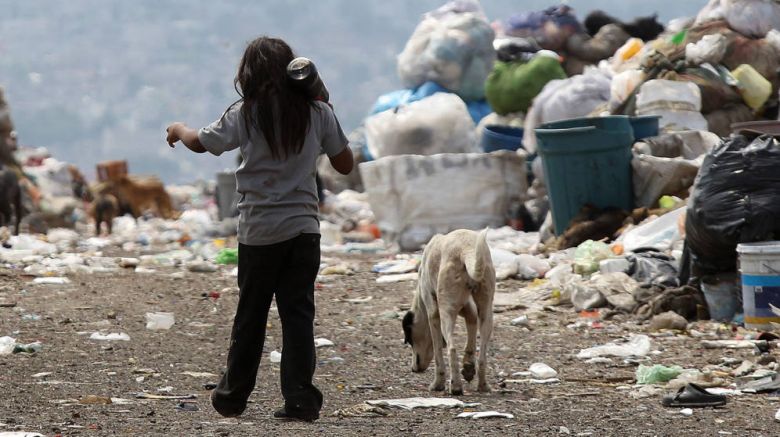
436,338
448,319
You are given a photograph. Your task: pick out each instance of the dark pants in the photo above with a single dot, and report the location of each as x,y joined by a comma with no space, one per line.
288,271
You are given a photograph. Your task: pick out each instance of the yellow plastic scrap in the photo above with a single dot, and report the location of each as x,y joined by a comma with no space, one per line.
753,87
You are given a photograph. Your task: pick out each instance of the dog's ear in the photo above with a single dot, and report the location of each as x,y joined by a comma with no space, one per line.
407,323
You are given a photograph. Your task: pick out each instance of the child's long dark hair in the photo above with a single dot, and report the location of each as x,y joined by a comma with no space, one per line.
275,108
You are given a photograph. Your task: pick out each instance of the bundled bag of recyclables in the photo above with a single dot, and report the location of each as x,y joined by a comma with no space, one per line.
574,97
752,18
678,104
512,86
734,201
668,164
453,47
437,124
415,197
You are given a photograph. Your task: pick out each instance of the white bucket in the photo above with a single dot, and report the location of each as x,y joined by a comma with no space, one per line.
760,267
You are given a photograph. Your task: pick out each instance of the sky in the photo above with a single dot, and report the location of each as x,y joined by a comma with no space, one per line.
94,80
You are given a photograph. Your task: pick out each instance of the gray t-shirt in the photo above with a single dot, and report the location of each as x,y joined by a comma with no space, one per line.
278,196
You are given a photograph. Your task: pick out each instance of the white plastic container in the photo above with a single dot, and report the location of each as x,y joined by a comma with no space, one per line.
159,321
759,264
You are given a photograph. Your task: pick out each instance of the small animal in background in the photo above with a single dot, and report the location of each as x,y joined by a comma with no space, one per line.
645,28
104,209
457,277
10,199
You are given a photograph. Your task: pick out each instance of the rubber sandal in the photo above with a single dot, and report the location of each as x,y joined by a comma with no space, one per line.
693,396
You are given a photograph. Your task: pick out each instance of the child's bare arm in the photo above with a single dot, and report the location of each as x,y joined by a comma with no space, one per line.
187,135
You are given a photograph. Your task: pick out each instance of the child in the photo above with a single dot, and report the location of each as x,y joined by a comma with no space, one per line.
280,132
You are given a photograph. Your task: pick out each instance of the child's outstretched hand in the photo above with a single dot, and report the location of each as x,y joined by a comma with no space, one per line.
173,133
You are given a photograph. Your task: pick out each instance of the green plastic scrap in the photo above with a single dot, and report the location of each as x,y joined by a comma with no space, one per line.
656,374
587,256
227,256
679,37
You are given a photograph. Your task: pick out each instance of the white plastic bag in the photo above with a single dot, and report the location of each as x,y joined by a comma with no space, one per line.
415,197
623,84
452,47
678,104
710,49
637,346
660,172
659,234
437,124
574,97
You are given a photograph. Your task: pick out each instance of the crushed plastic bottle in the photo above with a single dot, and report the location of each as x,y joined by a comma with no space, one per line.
159,321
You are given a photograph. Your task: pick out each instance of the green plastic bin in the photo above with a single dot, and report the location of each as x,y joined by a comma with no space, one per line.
586,160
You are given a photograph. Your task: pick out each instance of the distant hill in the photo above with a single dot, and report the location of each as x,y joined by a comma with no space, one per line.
100,79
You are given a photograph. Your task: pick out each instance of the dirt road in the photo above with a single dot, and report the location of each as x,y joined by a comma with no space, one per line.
42,392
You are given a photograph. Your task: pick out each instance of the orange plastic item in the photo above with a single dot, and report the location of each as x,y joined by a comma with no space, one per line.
617,249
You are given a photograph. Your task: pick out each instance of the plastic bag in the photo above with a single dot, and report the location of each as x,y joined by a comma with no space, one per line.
678,104
653,267
437,124
478,109
511,87
415,197
656,374
451,48
637,346
734,200
227,256
710,49
668,164
588,255
658,234
574,97
752,18
623,84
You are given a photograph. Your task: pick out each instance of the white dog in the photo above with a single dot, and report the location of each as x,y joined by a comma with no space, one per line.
456,277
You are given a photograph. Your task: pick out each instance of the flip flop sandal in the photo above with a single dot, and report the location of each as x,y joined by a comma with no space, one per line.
693,396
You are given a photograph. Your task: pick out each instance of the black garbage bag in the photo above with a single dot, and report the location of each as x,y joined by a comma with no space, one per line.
735,199
653,267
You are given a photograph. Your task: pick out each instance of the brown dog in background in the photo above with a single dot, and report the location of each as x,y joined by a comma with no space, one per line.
457,277
104,208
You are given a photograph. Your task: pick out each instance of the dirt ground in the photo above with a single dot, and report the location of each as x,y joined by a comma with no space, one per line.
369,361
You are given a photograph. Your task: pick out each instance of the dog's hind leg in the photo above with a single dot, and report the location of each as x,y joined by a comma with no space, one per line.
469,313
485,308
436,338
448,319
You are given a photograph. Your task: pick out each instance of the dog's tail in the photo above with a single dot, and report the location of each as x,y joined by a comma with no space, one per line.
475,258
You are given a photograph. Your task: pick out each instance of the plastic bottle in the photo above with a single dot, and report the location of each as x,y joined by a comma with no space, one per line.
753,87
304,75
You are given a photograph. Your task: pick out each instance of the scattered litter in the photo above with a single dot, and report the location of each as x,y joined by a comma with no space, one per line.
165,397
484,415
387,279
637,346
397,266
129,262
114,336
412,403
187,406
323,342
362,410
95,400
656,374
733,344
7,345
20,434
200,266
51,281
227,256
359,299
340,269
686,412
42,374
542,371
520,321
668,320
159,321
29,348
199,374
276,357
